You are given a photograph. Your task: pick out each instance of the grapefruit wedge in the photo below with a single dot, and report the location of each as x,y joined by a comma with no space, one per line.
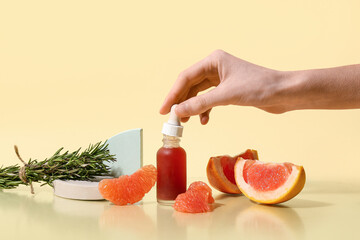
197,199
269,183
220,171
129,188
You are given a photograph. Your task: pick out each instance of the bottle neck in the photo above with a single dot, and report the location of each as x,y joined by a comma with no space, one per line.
170,141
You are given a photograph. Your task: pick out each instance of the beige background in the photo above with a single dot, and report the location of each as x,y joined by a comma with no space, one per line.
77,72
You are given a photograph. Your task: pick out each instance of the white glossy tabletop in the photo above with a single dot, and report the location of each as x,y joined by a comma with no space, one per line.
324,210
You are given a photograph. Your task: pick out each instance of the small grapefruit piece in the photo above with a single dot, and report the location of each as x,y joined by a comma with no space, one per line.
129,189
197,199
220,171
269,183
201,186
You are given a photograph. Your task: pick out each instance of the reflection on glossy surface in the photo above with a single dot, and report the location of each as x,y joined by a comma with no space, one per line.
311,215
37,214
198,220
78,208
223,224
263,221
130,219
167,226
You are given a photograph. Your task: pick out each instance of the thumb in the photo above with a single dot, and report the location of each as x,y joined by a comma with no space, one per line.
199,104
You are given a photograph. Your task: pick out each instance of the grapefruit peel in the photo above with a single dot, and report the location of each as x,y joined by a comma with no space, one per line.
216,175
289,189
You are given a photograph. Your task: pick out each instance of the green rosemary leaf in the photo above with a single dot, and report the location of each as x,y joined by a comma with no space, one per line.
67,165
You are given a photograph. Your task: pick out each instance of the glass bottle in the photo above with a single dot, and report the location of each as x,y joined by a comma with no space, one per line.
171,162
171,167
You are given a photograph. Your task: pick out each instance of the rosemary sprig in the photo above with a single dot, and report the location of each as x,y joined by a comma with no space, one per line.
66,166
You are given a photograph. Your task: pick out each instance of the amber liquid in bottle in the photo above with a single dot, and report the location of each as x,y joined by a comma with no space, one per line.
171,167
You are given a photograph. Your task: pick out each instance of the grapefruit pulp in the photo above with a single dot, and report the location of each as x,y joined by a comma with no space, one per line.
269,183
129,189
220,171
197,199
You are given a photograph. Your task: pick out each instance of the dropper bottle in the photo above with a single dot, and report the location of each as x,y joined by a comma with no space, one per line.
171,162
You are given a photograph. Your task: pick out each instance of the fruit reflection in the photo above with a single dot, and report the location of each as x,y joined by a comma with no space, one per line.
167,226
130,219
262,221
197,220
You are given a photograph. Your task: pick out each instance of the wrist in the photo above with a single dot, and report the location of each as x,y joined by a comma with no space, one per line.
291,90
304,90
332,88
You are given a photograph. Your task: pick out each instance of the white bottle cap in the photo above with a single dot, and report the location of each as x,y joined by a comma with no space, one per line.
173,126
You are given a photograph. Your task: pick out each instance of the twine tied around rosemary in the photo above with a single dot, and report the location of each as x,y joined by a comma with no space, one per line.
77,165
22,171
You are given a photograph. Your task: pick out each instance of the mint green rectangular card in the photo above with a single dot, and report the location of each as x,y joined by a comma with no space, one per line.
127,148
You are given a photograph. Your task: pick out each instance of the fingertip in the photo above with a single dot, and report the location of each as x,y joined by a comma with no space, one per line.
164,109
184,120
204,120
169,101
204,117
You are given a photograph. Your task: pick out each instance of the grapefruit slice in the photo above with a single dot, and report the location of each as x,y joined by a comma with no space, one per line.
197,199
220,171
269,183
201,186
129,189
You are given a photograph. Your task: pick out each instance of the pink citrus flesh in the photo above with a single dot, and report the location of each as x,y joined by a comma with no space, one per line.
269,183
129,189
197,199
201,186
220,171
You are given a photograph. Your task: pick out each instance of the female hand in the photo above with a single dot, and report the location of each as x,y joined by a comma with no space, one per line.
236,82
242,83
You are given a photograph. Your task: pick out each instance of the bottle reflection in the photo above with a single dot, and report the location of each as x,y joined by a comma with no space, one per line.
234,215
